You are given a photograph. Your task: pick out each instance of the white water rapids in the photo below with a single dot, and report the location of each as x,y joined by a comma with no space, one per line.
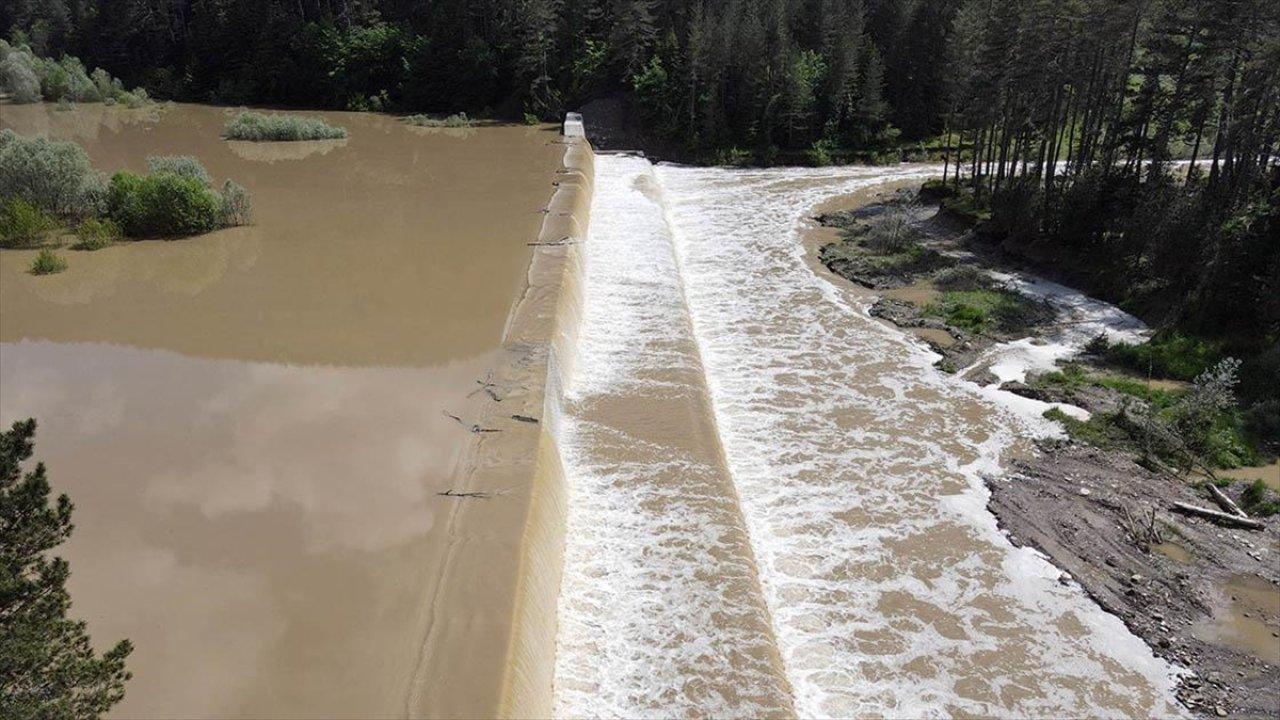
850,544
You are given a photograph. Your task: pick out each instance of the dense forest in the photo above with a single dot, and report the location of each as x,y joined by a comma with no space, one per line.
1061,122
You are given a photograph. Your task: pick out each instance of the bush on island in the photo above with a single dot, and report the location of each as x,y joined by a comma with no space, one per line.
48,263
22,224
95,234
55,176
257,127
162,205
184,165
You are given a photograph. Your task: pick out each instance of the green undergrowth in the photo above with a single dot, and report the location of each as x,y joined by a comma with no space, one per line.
1102,430
986,310
1260,500
1170,355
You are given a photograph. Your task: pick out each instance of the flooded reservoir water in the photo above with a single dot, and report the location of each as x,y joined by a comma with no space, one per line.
252,423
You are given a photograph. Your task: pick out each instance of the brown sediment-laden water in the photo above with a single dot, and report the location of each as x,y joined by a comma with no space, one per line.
255,424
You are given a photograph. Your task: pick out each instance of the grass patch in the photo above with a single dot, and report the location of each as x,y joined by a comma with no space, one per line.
95,234
1101,429
1156,397
456,120
23,225
48,263
981,311
257,127
1172,355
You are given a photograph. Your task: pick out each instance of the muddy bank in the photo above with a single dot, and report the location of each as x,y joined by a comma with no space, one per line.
1203,596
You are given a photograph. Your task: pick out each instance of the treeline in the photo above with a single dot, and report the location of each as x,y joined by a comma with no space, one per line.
759,75
1065,121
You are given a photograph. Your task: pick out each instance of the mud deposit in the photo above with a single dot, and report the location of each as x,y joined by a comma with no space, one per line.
1208,599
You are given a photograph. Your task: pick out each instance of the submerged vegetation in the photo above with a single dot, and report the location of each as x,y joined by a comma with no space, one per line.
48,183
48,262
258,127
456,120
23,225
47,661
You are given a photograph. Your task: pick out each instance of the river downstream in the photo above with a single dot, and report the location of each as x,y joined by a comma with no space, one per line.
852,467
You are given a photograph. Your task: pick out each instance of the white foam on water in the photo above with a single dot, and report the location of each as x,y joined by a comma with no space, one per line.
652,618
890,588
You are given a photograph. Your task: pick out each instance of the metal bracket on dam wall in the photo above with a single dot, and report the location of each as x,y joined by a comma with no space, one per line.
490,647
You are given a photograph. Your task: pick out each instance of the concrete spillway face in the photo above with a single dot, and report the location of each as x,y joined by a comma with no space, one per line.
543,329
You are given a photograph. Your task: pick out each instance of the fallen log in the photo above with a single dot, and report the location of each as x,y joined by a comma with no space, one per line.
1225,502
1216,516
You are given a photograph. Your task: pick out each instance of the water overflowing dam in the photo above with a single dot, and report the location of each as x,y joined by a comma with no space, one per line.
774,501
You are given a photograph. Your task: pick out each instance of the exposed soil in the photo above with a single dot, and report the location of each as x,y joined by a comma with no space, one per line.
1203,596
1206,599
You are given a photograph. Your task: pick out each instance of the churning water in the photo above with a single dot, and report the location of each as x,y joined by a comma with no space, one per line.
775,501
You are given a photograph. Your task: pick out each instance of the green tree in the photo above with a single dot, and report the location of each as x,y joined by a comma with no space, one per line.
48,667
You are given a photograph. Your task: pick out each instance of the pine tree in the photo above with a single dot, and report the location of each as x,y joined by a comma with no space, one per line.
48,668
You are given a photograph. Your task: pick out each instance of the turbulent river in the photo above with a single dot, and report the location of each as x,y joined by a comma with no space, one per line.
776,504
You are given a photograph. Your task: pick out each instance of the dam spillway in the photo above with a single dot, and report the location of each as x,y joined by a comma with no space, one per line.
774,504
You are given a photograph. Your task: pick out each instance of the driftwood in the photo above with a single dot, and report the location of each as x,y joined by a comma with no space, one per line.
524,418
1225,502
1221,517
475,428
566,240
1142,529
453,493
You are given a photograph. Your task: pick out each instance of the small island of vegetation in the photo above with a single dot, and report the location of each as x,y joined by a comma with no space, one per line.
258,127
50,185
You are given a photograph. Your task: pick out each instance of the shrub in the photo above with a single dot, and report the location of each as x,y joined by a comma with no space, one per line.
822,152
982,310
236,209
64,105
51,175
162,205
23,224
48,263
963,277
17,77
183,165
894,230
455,120
531,119
96,234
135,98
258,128
1255,500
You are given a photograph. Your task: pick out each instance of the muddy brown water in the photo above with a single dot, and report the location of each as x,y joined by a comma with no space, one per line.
252,423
